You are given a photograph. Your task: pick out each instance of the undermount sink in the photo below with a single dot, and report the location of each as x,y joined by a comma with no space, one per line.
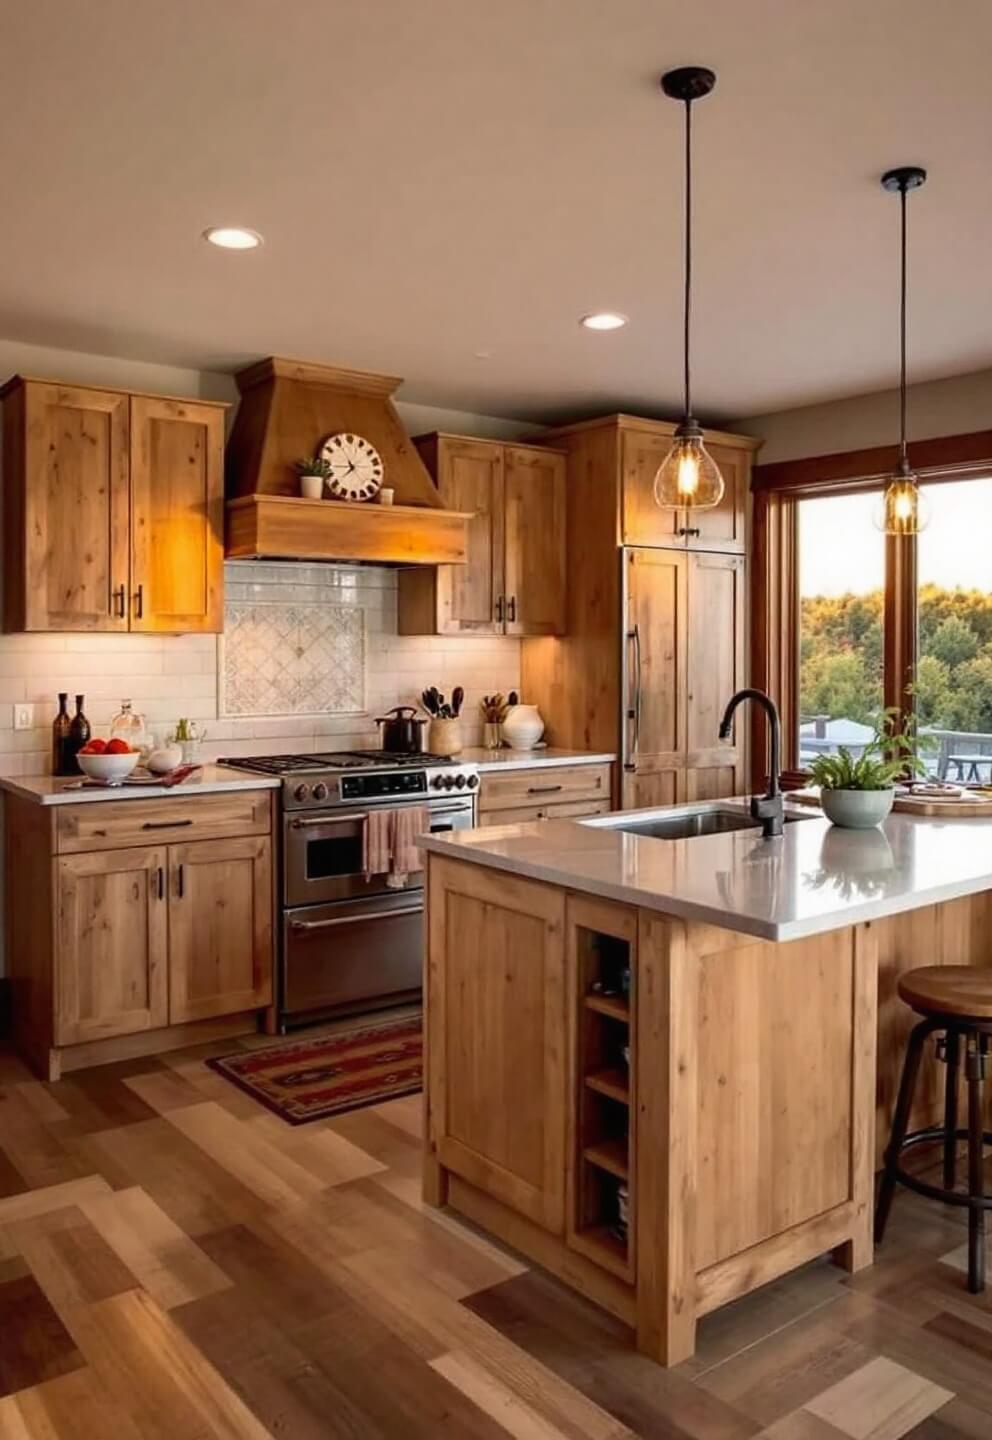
685,824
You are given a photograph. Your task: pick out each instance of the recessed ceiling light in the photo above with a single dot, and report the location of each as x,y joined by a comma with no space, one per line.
604,320
233,237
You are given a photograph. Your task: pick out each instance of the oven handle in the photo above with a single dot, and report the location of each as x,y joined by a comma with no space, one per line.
314,820
356,919
451,810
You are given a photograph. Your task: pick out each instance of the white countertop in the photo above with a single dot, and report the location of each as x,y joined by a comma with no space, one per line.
500,760
210,780
815,878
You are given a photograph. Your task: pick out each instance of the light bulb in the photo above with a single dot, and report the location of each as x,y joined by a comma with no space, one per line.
688,478
902,508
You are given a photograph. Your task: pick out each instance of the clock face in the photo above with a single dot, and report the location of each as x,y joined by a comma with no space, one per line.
356,467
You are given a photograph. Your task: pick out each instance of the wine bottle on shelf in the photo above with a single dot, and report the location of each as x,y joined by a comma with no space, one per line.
62,762
79,733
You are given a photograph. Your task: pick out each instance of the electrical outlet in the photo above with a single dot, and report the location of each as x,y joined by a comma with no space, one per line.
23,717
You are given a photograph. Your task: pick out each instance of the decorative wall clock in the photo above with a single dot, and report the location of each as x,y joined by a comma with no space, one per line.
356,468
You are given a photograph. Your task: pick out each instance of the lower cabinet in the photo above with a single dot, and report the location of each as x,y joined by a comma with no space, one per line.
550,792
497,1037
159,936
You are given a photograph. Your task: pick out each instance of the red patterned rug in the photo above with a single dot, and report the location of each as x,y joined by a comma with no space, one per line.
305,1080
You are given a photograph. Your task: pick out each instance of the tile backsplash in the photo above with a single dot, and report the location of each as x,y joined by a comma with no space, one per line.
353,666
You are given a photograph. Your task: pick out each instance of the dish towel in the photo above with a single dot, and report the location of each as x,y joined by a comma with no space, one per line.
390,843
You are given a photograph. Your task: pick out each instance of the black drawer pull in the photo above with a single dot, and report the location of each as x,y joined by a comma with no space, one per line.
543,789
165,824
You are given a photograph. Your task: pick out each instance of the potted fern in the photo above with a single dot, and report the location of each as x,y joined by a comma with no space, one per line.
313,473
858,793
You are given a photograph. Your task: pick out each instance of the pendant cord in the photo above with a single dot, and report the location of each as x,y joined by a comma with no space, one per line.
687,305
903,456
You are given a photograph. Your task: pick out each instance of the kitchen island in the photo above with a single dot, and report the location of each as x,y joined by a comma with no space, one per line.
659,1067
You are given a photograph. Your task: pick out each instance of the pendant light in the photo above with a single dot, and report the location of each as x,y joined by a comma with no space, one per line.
688,477
902,510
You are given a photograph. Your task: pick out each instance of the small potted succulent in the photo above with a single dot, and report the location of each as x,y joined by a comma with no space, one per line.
858,793
313,472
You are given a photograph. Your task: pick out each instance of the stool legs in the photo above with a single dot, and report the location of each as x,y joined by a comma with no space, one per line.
952,1057
975,1069
900,1123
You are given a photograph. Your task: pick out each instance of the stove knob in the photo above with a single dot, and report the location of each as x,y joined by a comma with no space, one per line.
320,791
460,781
473,782
449,782
438,782
301,792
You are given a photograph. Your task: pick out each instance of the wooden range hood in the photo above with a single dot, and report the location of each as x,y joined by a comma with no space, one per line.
287,408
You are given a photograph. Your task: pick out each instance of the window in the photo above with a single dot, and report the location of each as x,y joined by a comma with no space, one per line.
841,560
954,619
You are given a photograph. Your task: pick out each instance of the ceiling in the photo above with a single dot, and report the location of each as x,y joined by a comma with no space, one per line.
444,187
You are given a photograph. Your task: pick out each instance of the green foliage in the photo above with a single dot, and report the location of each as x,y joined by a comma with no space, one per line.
890,754
313,465
842,647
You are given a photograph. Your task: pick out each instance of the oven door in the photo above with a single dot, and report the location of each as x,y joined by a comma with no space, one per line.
322,854
355,955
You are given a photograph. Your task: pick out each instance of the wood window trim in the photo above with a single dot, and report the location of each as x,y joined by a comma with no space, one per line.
777,489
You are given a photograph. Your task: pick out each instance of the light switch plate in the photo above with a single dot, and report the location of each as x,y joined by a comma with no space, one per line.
23,717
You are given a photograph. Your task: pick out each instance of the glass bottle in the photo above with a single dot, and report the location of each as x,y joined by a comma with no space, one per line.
62,762
79,733
129,726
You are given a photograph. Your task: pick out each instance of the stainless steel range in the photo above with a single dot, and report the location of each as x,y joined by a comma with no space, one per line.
348,941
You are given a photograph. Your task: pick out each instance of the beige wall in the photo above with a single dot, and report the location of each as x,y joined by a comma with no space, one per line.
940,407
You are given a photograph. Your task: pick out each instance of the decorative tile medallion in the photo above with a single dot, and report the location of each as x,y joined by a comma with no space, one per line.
292,659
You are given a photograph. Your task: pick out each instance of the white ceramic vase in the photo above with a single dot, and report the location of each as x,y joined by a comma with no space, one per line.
523,727
312,487
857,809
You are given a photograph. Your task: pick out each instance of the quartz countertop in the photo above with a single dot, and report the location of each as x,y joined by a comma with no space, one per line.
814,878
494,761
209,780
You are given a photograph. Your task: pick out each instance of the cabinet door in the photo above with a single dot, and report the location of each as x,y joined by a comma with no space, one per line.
220,927
496,1037
177,516
724,526
715,669
534,485
111,953
470,598
643,523
654,718
69,519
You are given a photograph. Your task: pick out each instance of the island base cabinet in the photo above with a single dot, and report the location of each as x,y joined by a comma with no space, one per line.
496,1039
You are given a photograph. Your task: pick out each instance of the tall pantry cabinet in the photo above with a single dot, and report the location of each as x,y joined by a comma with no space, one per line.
655,638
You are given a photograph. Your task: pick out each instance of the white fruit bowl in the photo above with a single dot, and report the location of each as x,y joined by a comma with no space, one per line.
111,769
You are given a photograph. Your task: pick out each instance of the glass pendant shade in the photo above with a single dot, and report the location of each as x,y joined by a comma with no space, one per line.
902,508
688,478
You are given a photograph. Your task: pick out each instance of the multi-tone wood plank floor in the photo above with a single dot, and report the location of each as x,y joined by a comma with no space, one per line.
176,1264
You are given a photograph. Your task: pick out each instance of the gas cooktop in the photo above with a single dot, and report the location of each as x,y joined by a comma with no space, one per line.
350,777
334,760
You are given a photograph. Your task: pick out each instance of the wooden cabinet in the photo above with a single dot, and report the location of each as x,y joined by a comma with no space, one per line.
497,1037
685,658
654,642
514,580
113,510
545,792
111,949
142,929
220,927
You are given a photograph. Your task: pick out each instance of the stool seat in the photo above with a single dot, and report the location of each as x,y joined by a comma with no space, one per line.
959,991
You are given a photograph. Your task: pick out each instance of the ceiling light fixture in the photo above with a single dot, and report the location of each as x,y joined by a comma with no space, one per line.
232,237
902,510
604,320
688,477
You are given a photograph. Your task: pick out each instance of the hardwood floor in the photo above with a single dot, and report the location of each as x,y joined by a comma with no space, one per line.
176,1262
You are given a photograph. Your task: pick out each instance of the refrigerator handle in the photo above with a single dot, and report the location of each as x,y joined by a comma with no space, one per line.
634,707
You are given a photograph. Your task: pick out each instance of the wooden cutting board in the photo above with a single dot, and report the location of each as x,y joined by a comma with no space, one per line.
968,807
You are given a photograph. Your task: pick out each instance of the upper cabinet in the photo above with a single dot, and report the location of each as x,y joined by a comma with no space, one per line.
514,580
642,523
113,510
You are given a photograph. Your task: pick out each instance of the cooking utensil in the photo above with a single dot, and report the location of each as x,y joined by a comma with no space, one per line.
402,730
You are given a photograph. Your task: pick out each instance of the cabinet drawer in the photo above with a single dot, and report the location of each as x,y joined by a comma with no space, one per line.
544,786
111,824
567,810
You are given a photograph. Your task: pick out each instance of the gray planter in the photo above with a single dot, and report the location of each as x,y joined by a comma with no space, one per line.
857,809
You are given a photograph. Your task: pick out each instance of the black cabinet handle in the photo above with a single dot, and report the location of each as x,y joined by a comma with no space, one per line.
179,881
119,601
499,610
165,824
543,789
161,883
511,609
139,602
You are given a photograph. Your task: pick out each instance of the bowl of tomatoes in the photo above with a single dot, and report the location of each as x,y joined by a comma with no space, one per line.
108,760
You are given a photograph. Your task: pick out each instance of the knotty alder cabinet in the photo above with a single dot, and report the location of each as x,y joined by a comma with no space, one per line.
114,510
514,580
136,928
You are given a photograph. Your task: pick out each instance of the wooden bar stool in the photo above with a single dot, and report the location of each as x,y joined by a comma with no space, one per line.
957,1000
